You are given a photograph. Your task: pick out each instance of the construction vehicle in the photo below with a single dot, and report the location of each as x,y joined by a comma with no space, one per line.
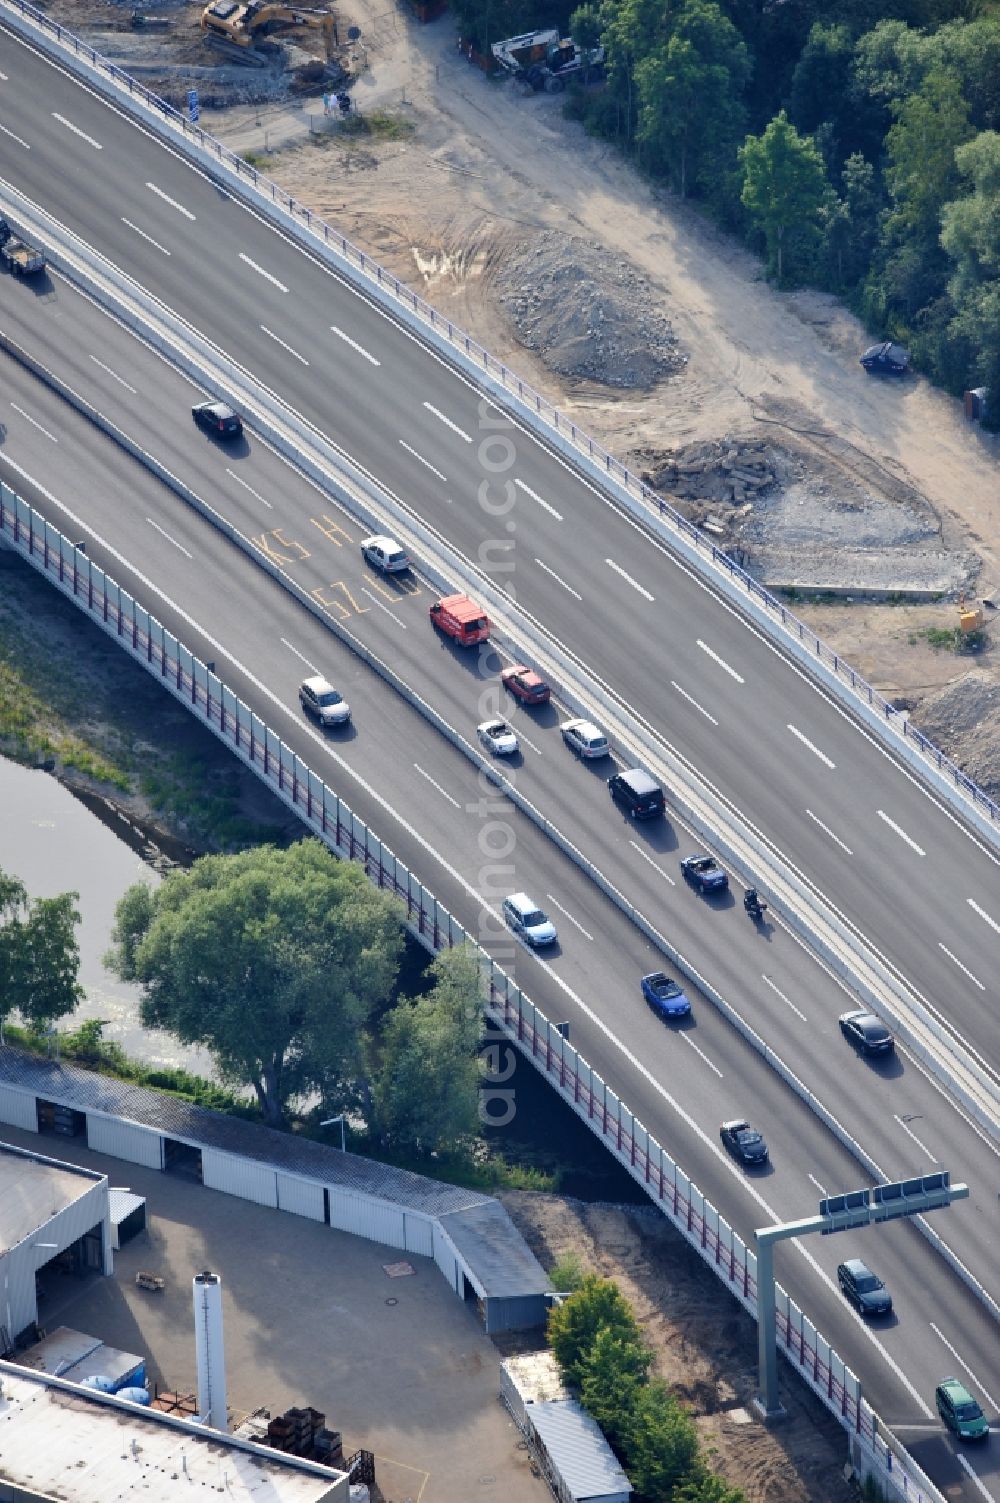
244,23
542,60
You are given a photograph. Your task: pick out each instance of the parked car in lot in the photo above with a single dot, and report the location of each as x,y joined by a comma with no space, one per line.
384,554
460,618
527,920
705,874
863,1288
497,737
886,359
665,996
743,1142
585,738
525,684
637,793
217,418
867,1033
320,698
960,1411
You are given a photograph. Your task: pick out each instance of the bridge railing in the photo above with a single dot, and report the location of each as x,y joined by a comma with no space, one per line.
329,817
523,393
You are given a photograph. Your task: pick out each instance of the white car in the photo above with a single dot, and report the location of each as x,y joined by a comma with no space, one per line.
321,699
527,919
497,737
384,554
584,738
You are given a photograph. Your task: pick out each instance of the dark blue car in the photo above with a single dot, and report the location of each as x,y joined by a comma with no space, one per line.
665,996
704,873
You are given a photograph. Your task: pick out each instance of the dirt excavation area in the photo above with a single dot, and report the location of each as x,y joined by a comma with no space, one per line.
705,1344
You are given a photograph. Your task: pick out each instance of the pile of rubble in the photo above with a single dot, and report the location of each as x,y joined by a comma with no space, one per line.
733,470
588,317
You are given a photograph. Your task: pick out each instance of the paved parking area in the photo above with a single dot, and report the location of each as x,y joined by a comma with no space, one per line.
398,1365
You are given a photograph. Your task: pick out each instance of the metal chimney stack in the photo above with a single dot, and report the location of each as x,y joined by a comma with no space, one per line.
209,1353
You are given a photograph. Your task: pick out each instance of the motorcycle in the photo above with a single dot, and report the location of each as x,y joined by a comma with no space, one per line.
754,905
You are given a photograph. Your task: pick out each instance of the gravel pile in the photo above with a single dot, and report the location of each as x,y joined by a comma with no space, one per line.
586,315
963,719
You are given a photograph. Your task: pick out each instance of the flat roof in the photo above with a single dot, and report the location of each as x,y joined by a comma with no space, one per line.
67,1442
33,1188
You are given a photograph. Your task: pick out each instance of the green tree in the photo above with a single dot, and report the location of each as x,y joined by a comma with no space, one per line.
573,1326
663,1443
611,1374
689,110
704,1486
39,954
785,190
275,961
633,30
586,25
822,77
426,1084
921,173
970,234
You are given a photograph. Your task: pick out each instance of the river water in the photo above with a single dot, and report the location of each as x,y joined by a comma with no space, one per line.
53,843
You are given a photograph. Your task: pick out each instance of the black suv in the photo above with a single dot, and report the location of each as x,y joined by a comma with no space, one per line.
864,1288
637,793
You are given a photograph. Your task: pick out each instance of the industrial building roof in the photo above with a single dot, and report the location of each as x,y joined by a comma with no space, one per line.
33,1188
87,1091
61,1441
581,1455
494,1249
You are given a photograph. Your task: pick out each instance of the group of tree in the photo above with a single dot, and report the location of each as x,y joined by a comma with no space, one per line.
603,1358
284,965
855,144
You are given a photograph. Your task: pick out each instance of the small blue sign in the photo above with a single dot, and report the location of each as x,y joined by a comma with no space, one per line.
193,107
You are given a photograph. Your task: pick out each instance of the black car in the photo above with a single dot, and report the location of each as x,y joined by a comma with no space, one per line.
704,873
743,1142
867,1033
637,793
217,418
886,359
864,1288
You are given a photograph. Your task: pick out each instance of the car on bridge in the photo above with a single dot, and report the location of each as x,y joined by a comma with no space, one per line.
384,554
217,418
525,684
960,1411
744,1142
705,874
664,995
864,1289
867,1033
528,921
497,737
585,738
318,696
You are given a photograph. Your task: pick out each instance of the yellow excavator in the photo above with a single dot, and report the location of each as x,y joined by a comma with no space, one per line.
243,23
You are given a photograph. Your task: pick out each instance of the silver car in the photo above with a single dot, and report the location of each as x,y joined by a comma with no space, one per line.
321,699
526,919
384,554
584,738
497,737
